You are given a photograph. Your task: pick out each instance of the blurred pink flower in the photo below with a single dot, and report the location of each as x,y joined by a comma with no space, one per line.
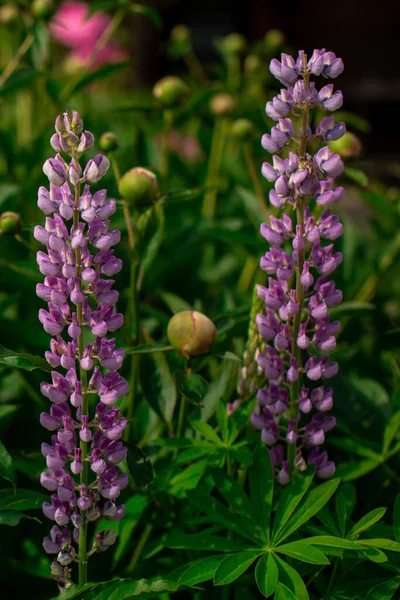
74,27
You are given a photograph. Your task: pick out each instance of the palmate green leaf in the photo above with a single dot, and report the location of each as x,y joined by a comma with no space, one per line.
234,565
312,503
283,593
148,349
228,356
100,73
267,574
134,508
222,420
242,455
304,552
382,544
21,500
206,431
158,385
187,479
6,467
396,518
374,555
217,512
139,466
27,362
12,517
330,541
341,513
290,498
261,480
385,590
193,386
203,541
391,430
119,589
291,578
239,419
350,590
233,494
354,469
175,303
366,521
197,571
361,448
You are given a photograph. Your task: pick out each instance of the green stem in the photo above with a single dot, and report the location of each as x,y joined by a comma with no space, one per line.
296,351
181,417
195,67
254,177
84,476
214,166
139,548
168,118
234,74
13,64
25,243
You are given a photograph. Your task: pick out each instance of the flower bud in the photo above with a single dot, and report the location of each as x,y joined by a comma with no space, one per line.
349,146
108,142
96,168
242,129
222,105
8,13
191,333
253,64
181,39
56,170
170,91
10,223
233,44
274,38
42,9
139,187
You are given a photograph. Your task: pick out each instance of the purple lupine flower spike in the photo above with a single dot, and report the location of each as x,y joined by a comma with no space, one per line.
296,322
83,456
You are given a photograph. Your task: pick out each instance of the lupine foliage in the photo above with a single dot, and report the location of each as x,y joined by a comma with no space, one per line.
143,434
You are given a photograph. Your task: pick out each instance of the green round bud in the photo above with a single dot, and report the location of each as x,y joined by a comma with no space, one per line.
108,142
180,34
253,64
139,187
348,146
8,13
191,333
10,223
242,129
222,105
234,44
42,9
274,38
170,91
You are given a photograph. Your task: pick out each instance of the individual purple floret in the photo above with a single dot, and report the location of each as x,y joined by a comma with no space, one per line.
85,449
293,410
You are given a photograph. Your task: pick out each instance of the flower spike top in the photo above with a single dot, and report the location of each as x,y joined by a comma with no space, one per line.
77,264
293,409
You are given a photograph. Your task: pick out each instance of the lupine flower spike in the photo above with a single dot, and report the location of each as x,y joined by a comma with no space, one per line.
85,449
293,409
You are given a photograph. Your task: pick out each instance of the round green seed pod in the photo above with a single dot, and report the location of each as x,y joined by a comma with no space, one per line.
233,44
170,91
222,105
42,9
274,38
191,333
139,187
348,146
242,129
108,142
10,223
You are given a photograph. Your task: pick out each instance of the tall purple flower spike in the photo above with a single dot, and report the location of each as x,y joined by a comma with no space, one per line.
294,407
83,456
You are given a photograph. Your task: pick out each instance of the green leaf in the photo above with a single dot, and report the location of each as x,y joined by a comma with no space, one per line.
367,521
21,500
139,466
158,385
18,80
303,552
228,356
283,593
191,385
357,175
292,578
382,543
147,11
341,513
233,494
330,541
200,570
239,419
134,508
391,430
396,518
220,514
119,589
6,466
202,541
375,555
355,469
290,498
385,590
267,574
206,431
148,349
242,455
12,517
234,566
174,302
261,480
350,307
251,203
222,420
28,362
313,502
100,73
